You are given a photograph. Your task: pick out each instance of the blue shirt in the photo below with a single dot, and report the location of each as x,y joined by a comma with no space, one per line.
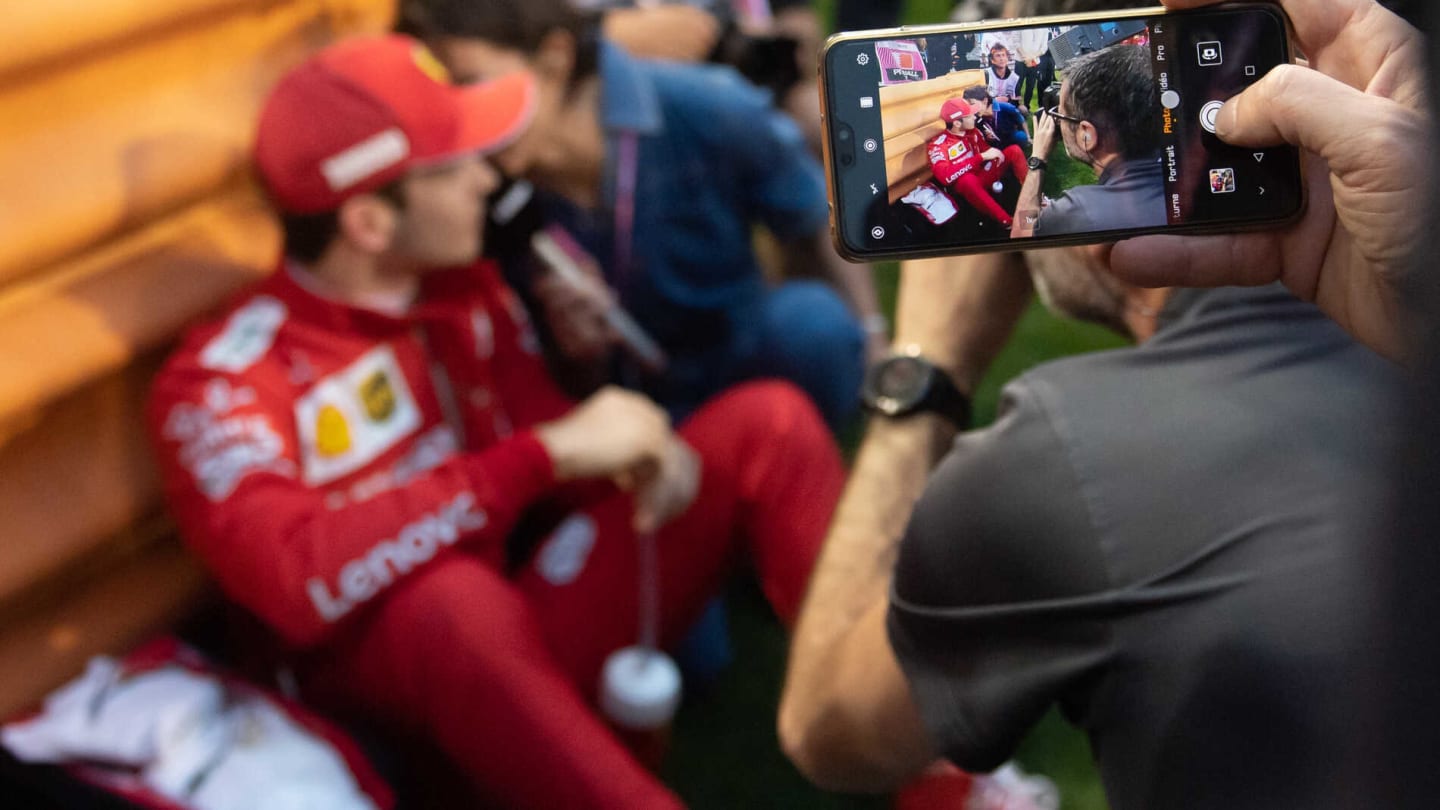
715,159
1007,120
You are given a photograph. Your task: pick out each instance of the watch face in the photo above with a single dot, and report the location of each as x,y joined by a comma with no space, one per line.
900,383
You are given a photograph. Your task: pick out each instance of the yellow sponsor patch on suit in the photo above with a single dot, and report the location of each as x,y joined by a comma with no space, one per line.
353,416
332,434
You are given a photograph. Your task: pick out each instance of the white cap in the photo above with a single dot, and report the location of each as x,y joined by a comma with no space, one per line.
639,688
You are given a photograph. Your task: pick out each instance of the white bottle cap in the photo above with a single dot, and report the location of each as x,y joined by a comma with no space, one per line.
639,688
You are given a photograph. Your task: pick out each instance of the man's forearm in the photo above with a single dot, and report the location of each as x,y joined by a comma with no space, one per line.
1027,209
959,312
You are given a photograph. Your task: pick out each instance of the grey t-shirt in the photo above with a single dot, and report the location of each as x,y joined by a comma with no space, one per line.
1159,541
1130,194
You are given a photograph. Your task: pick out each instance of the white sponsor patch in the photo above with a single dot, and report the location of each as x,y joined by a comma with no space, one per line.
222,397
563,556
365,159
218,448
246,338
416,543
351,417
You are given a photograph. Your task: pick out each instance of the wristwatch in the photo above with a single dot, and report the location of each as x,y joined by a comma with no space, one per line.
906,383
1037,164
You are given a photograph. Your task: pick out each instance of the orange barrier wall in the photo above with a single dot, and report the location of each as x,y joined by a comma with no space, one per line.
126,210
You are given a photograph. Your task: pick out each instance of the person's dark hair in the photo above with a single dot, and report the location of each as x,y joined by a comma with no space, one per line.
1113,89
977,92
308,236
519,24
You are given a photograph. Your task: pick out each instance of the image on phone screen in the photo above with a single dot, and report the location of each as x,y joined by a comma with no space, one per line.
1058,132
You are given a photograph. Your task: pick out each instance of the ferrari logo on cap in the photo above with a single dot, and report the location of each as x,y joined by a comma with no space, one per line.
429,65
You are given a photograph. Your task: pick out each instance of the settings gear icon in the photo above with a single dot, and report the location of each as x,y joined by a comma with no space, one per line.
863,59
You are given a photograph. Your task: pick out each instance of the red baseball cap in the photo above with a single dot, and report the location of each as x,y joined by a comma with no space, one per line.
954,109
360,113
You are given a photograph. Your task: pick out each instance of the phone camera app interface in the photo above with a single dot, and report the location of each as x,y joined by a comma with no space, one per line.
982,137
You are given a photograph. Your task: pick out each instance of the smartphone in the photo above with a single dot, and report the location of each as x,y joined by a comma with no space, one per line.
930,141
559,251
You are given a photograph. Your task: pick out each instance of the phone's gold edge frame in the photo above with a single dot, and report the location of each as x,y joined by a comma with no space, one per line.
1007,24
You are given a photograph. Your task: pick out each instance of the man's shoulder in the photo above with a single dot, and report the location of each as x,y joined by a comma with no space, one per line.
695,89
1066,213
1005,499
226,363
713,110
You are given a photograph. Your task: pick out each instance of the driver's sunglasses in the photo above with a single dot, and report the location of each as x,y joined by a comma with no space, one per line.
1055,111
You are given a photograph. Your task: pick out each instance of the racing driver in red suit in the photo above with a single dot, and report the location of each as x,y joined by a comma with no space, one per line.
350,447
961,159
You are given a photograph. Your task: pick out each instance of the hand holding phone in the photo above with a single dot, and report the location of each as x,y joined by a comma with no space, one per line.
588,320
910,138
575,313
1360,112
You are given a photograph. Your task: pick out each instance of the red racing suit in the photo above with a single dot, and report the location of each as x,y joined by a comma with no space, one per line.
957,163
351,478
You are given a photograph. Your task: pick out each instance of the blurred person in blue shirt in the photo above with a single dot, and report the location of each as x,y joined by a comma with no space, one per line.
1001,123
662,170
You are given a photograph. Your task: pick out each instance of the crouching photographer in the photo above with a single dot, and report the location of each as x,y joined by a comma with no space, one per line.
1102,112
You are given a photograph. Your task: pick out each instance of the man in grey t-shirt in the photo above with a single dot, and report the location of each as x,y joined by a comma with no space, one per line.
1215,679
1106,119
1156,540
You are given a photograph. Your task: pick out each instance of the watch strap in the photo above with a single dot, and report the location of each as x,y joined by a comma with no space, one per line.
946,399
941,396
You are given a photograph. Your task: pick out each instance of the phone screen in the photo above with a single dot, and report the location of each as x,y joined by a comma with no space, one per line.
930,136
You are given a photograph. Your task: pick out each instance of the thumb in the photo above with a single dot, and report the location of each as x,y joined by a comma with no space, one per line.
1294,105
